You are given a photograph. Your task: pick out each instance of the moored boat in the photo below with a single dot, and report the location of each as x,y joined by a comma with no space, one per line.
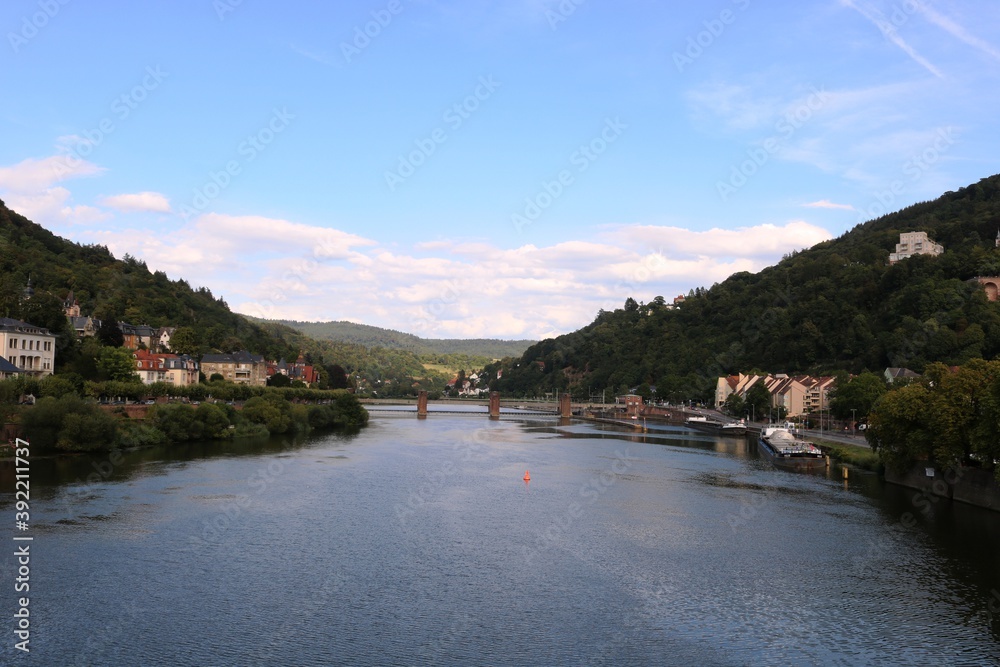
716,426
779,444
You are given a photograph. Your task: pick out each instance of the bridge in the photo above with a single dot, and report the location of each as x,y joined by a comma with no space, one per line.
493,410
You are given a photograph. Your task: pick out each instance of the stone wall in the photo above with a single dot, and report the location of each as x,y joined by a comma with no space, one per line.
968,485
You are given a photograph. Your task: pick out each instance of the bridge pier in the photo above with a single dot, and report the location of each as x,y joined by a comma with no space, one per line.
494,405
422,404
565,406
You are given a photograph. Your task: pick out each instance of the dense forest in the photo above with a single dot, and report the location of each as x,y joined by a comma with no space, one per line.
838,306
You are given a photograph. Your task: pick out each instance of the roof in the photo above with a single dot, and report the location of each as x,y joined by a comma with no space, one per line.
7,367
10,324
894,372
241,357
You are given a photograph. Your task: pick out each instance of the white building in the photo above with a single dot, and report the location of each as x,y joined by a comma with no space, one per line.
32,349
914,243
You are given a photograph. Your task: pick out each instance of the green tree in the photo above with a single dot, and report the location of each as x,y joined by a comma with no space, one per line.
68,423
758,401
117,364
109,334
184,340
734,405
272,411
858,394
279,380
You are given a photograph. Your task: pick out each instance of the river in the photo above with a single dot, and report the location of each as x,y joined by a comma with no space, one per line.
417,542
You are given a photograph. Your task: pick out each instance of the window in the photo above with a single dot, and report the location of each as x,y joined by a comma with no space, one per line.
13,343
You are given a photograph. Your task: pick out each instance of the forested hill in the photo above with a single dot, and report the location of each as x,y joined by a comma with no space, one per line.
369,336
836,306
109,288
125,290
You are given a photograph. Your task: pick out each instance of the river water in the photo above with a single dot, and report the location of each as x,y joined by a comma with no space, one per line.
418,542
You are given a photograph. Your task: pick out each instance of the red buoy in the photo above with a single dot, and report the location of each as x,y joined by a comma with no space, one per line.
527,477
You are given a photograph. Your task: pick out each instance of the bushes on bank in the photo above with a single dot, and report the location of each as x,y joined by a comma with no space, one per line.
69,424
62,420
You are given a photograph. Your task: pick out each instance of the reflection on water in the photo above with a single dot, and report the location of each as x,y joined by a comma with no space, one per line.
417,542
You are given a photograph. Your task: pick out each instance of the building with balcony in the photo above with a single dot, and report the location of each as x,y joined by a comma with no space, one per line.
31,349
914,243
240,367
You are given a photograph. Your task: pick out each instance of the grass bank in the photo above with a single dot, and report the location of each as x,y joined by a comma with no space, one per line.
859,457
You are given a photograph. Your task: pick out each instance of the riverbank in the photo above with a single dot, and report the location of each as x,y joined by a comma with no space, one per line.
854,455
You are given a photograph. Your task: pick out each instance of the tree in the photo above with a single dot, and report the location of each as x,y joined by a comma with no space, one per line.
272,411
856,397
758,401
735,405
184,341
117,364
109,334
279,380
68,423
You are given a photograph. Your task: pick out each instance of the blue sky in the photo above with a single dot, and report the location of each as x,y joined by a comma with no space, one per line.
496,169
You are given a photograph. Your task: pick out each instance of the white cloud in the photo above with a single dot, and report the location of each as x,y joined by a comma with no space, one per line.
31,175
826,203
957,31
29,187
891,33
268,268
153,202
760,241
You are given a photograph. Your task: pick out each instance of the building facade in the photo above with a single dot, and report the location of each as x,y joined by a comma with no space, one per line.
178,370
914,243
31,349
797,395
240,367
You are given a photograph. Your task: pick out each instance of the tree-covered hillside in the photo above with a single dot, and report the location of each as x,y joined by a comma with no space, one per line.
836,306
125,290
369,336
112,289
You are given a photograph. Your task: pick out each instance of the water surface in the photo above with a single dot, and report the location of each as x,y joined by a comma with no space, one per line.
417,542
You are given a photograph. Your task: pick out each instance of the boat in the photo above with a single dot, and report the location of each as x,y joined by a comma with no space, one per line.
778,443
715,426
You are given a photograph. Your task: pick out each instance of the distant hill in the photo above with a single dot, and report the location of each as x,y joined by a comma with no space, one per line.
838,306
369,336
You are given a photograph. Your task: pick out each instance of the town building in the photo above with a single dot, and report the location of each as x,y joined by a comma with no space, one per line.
149,367
914,243
241,367
71,306
797,395
894,374
178,370
298,370
29,348
162,339
84,326
182,369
